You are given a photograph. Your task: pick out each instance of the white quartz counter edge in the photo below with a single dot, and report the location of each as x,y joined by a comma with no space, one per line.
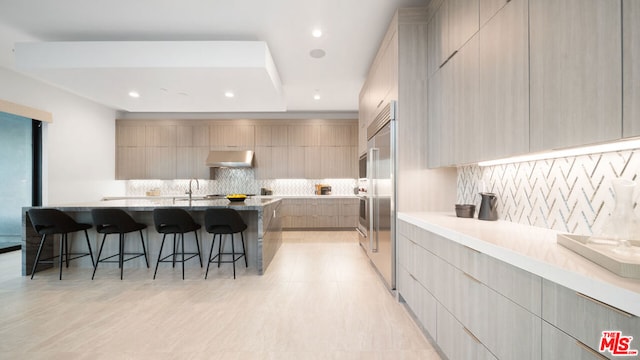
534,250
199,197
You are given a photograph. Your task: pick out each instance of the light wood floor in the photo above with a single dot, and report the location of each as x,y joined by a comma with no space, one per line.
319,299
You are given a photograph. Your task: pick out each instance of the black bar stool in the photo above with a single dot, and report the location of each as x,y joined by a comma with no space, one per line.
225,221
175,221
51,222
117,221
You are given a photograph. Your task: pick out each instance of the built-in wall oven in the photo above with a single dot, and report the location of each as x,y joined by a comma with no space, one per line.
363,221
362,167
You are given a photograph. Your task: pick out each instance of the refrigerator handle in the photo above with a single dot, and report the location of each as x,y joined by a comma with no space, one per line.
374,221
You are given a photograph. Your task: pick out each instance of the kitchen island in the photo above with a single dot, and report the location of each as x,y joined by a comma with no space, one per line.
263,236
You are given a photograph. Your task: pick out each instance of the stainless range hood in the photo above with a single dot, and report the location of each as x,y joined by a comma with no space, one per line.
230,159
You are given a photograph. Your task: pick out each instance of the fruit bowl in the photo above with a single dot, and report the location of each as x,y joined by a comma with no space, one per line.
236,197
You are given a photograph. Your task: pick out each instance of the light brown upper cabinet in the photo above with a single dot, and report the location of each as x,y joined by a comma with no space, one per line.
130,151
178,149
631,67
271,135
130,162
130,135
463,22
452,25
362,123
438,48
453,127
161,135
488,8
193,135
504,83
575,72
231,137
191,162
381,85
145,152
436,124
467,128
160,161
191,151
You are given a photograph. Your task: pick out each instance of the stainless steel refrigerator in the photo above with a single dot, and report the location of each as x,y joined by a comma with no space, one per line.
381,135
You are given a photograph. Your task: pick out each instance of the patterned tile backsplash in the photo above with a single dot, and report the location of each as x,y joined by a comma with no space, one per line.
229,181
572,194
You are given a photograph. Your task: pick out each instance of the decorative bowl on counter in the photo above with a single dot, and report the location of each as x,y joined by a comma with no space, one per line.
236,197
465,210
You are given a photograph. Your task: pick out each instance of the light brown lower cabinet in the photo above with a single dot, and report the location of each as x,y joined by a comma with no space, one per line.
584,318
456,341
475,306
314,213
556,344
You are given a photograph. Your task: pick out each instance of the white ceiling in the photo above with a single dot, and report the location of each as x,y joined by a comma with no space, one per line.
352,31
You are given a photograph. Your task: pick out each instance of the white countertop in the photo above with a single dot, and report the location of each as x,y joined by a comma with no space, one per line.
201,197
152,202
535,250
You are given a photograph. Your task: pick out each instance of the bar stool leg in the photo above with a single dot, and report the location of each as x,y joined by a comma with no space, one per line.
159,255
175,250
182,238
219,250
99,254
66,250
213,243
35,264
244,251
198,246
121,257
233,256
144,249
86,235
62,245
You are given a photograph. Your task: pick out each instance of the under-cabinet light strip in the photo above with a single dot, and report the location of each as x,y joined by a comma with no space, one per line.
600,148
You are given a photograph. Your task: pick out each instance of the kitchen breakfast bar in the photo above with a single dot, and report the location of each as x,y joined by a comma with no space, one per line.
263,235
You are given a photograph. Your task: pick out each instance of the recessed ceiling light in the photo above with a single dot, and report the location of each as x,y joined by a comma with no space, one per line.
316,33
317,53
316,97
134,94
229,94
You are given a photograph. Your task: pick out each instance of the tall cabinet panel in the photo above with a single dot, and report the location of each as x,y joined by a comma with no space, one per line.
464,106
160,158
191,151
438,39
488,8
435,112
463,21
575,64
504,83
130,152
631,67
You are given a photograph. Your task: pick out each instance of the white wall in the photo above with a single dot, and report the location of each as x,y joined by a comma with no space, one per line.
79,146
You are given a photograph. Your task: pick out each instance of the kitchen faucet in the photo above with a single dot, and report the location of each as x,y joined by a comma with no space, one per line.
190,192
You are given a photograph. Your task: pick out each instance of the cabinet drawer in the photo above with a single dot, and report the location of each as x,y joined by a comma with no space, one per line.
520,286
585,318
512,332
457,342
508,330
406,254
409,230
426,309
558,345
